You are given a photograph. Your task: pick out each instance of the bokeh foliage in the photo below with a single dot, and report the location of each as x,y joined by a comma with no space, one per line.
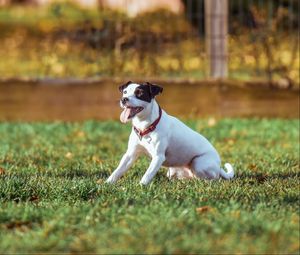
64,40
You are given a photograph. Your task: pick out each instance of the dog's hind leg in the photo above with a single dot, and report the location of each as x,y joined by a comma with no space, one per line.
180,173
206,167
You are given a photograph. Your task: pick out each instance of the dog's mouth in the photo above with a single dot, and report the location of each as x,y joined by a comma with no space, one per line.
129,112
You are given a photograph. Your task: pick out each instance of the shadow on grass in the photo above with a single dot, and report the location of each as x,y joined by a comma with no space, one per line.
258,177
73,174
83,173
77,174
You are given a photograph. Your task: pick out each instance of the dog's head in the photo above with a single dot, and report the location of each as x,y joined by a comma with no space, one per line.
136,98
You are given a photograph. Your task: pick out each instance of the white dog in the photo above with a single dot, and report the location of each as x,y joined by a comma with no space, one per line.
165,139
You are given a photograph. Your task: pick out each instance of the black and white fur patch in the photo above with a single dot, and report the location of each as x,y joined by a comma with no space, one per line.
145,91
171,143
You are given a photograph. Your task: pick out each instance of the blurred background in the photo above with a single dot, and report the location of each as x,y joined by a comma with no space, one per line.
64,60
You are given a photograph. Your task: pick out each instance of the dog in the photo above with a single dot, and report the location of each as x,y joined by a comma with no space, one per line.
167,140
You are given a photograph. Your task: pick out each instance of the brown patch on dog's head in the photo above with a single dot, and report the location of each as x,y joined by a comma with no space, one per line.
154,89
147,91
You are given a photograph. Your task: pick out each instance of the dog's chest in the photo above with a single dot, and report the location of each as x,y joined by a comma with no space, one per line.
173,155
148,142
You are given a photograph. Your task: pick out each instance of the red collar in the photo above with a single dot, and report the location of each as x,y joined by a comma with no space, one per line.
141,133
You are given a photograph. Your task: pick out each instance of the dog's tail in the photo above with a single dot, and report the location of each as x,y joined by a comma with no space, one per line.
230,172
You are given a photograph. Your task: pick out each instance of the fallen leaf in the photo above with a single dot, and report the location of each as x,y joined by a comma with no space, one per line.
20,225
204,209
100,181
69,155
34,199
253,167
2,171
96,159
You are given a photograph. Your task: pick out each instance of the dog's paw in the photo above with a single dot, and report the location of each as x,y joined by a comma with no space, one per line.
144,182
110,180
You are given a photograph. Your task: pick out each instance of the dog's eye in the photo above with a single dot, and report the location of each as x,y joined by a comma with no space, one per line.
124,92
138,93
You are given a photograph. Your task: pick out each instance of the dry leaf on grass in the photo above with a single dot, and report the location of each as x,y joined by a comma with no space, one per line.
34,199
100,181
204,209
2,171
69,155
19,225
96,159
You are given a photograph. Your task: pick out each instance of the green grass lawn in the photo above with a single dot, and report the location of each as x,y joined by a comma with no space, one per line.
50,200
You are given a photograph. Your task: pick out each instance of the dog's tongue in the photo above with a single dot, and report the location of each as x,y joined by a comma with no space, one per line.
124,115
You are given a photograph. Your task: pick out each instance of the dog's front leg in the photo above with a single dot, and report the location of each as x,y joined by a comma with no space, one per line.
125,163
155,164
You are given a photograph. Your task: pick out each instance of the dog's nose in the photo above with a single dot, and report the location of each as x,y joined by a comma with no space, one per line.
124,100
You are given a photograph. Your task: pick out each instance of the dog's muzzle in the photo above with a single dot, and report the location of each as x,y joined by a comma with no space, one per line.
124,100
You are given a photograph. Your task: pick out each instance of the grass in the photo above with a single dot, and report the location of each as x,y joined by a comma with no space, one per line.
50,201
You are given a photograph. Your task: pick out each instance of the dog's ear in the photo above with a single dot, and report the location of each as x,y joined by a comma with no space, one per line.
122,87
154,89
